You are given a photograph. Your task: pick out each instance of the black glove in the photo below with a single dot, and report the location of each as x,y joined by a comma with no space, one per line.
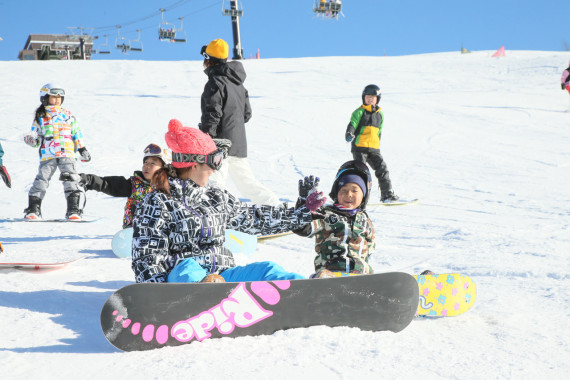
85,156
563,86
349,136
5,176
224,145
307,186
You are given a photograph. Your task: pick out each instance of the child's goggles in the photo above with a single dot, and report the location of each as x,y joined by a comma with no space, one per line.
153,149
57,91
213,160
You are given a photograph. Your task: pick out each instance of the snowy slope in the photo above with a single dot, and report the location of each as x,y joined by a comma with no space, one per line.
483,142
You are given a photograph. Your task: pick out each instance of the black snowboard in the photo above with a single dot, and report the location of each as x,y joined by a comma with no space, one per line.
148,316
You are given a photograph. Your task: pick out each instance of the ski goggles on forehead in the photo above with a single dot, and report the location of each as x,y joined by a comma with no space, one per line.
56,91
153,149
213,160
203,52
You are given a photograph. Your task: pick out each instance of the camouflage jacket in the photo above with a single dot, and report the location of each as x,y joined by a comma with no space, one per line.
342,241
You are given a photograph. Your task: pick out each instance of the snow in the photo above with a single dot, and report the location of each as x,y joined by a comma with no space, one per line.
483,142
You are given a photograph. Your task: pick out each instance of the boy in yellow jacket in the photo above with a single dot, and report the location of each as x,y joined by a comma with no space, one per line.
364,131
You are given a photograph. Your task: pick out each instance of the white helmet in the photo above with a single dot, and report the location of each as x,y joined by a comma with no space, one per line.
51,89
154,150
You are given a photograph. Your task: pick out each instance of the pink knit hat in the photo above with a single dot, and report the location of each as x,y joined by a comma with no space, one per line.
182,139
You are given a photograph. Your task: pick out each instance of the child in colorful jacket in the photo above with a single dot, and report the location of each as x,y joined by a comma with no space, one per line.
364,131
134,187
343,232
57,135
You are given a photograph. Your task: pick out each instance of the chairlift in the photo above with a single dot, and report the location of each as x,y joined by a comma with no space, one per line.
166,30
234,12
137,45
122,43
104,48
328,9
178,37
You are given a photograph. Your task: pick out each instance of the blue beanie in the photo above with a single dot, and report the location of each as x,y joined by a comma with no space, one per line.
352,178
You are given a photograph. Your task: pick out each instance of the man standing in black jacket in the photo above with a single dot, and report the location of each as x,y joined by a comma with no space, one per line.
225,110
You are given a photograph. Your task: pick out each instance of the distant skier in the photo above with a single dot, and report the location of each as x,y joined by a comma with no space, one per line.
57,135
565,80
364,131
3,171
225,110
134,187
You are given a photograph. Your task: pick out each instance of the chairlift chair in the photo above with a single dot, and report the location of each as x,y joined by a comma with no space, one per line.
166,30
122,43
327,9
178,37
104,48
137,45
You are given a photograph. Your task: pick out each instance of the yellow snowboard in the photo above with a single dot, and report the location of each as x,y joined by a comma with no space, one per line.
445,295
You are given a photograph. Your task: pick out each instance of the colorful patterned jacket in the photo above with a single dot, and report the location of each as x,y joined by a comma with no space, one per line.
342,242
192,224
58,134
366,125
135,187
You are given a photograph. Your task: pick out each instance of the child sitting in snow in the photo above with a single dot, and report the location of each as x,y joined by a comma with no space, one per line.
344,234
134,187
57,135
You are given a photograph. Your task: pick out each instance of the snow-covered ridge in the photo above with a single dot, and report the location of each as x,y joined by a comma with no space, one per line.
483,142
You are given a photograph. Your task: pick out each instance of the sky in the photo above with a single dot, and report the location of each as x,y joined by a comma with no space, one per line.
289,29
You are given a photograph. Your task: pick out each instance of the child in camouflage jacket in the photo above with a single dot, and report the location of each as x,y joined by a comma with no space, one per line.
344,234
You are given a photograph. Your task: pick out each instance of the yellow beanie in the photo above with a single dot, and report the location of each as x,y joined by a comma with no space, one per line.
218,49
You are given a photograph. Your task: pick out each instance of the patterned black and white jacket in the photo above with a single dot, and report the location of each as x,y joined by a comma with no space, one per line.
192,223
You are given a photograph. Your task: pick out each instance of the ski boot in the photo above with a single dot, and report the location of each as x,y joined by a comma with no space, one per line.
33,211
388,197
74,212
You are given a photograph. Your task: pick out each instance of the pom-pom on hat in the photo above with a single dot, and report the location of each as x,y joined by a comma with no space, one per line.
182,139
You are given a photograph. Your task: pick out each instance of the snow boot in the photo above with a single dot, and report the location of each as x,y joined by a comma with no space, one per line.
389,196
213,278
74,212
33,211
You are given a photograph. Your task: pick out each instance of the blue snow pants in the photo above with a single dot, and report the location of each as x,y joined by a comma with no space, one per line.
190,271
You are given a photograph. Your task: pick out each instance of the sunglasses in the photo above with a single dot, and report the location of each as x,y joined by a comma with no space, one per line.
57,91
153,149
213,160
203,52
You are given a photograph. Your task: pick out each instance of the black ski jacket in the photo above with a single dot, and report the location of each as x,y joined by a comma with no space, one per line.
225,105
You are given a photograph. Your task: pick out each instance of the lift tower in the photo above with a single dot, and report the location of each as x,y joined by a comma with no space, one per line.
235,14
